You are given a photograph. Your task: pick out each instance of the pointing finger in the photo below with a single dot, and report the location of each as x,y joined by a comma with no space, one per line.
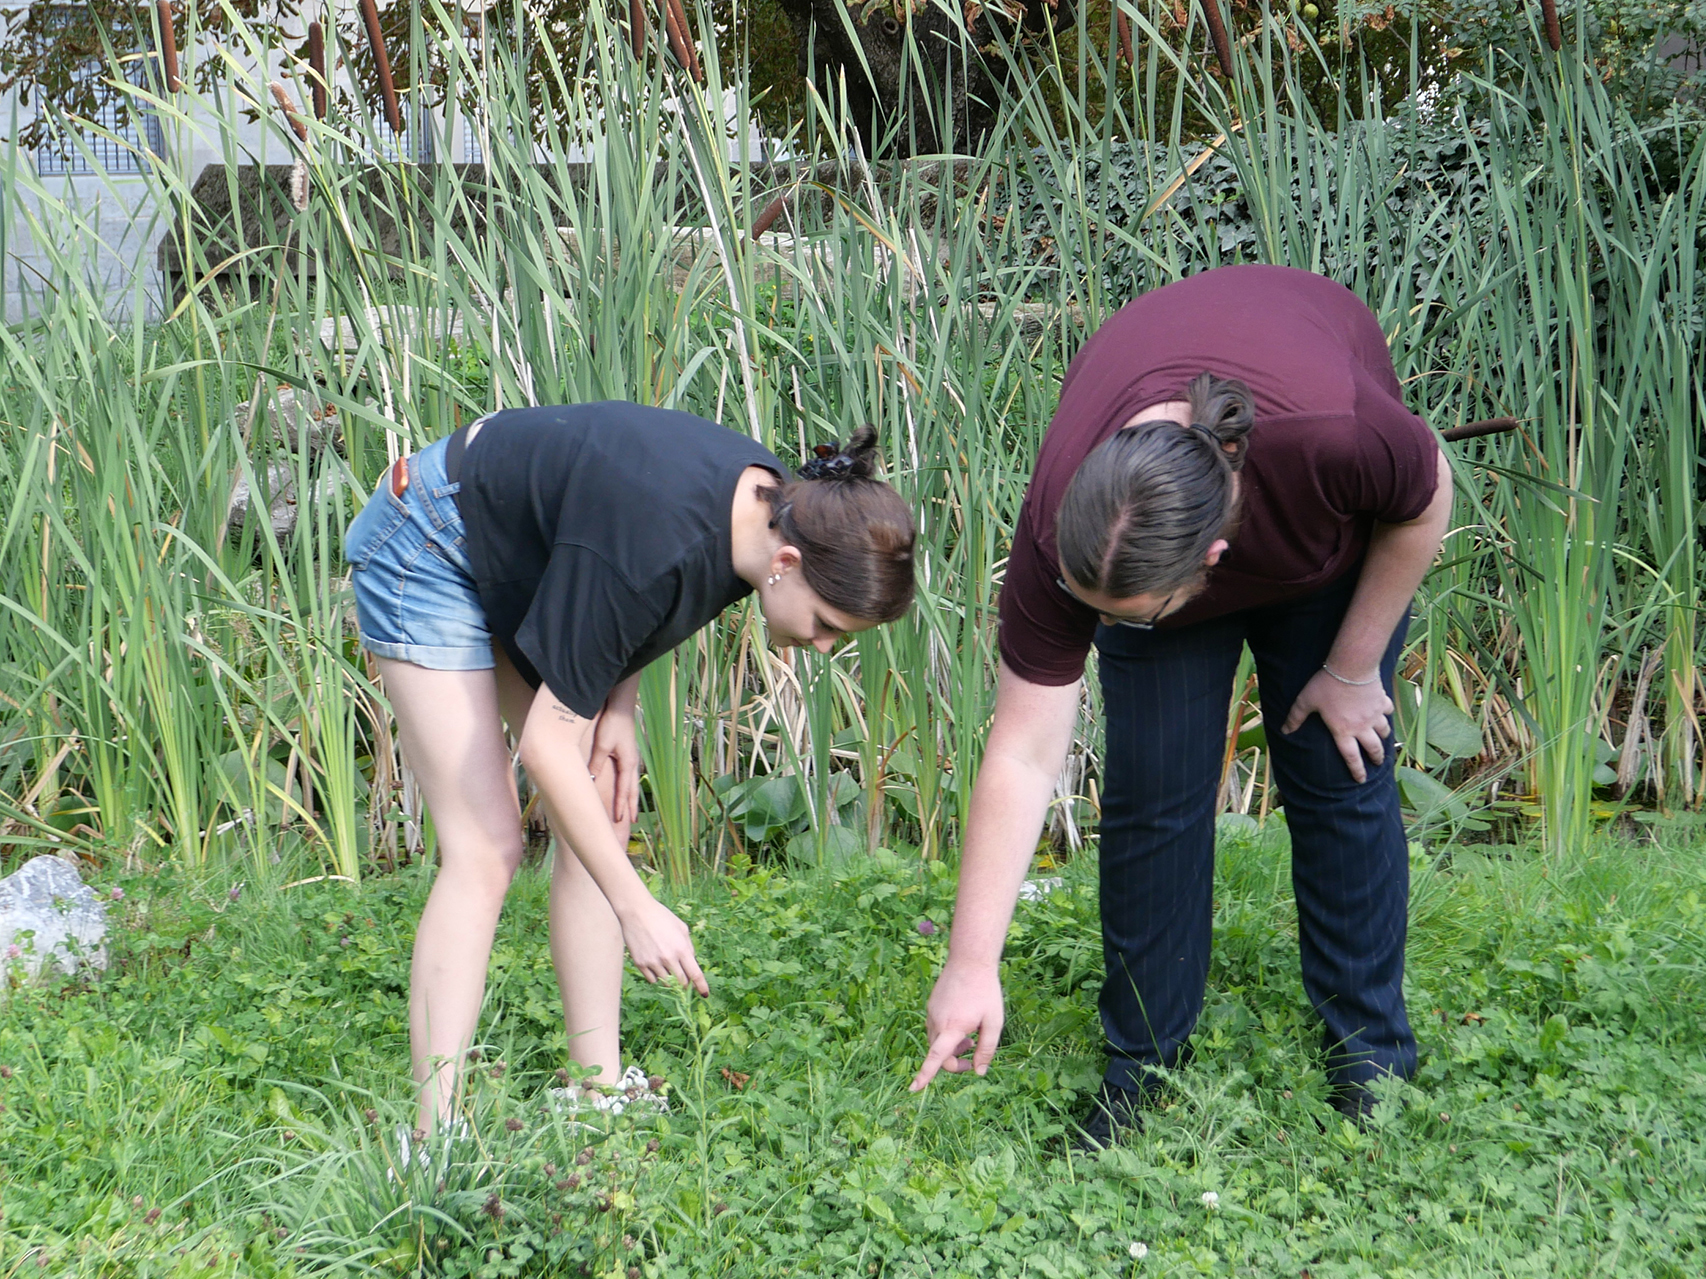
696,977
940,1050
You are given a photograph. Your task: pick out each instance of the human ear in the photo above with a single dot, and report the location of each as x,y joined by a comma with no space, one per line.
1215,551
785,560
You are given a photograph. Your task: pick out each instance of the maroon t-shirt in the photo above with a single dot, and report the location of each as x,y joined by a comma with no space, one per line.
1333,451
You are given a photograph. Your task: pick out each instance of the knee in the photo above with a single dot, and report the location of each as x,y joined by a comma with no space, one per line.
484,874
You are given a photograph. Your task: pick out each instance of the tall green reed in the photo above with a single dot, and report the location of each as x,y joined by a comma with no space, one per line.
198,687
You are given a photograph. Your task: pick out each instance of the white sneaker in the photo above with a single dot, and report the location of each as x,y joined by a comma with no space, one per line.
409,1151
632,1092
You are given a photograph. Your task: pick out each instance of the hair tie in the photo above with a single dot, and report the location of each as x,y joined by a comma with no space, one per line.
829,463
1219,445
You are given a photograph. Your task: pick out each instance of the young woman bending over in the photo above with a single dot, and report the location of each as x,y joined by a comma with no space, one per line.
522,572
1231,464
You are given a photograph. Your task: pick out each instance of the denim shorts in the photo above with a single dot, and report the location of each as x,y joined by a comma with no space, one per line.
415,597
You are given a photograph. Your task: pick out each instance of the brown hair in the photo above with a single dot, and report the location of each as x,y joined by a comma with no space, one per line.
1146,505
853,532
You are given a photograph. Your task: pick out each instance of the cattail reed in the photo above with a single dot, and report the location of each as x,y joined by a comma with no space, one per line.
292,115
1217,32
382,65
681,40
317,67
168,46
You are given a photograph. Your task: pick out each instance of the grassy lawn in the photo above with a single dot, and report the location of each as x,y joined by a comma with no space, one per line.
225,1101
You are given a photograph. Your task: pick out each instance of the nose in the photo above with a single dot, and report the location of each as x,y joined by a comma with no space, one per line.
824,644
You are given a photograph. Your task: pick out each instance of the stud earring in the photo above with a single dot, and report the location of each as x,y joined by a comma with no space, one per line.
773,579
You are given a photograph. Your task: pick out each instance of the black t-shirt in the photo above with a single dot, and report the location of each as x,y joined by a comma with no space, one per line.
599,537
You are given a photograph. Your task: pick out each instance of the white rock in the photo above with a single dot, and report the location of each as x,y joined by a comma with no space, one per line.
396,324
292,420
50,918
282,512
1034,890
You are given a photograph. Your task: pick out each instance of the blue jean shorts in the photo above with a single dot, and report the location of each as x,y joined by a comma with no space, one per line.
415,596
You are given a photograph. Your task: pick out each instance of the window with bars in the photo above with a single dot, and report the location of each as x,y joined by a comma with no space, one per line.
414,145
118,141
119,144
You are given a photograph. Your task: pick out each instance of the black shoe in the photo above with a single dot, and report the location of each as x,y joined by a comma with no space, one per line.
1355,1102
1114,1112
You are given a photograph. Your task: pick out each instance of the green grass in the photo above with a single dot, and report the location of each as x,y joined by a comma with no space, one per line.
223,1072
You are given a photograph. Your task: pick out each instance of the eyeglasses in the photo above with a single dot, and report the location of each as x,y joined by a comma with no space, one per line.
1135,623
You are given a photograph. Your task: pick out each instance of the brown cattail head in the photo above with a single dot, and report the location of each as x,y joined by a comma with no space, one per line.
1554,33
317,67
382,63
681,40
1471,430
287,104
1122,25
767,218
168,46
1217,33
639,30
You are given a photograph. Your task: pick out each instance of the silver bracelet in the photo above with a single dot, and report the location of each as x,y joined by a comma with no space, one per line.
1354,683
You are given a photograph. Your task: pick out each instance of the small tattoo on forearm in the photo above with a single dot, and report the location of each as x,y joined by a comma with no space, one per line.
566,715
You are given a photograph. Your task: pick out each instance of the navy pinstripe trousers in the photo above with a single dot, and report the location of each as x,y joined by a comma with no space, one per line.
1166,694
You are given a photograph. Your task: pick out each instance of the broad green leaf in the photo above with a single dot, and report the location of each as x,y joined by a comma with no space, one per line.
1427,796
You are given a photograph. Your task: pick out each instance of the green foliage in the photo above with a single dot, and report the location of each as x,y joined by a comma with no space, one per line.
244,1072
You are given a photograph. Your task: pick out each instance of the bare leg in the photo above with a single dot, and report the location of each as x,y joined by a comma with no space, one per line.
453,739
586,940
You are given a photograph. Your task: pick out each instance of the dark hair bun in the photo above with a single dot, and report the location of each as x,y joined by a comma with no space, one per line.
857,460
1224,409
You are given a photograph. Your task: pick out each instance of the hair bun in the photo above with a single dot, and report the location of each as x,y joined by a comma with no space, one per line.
1223,410
857,460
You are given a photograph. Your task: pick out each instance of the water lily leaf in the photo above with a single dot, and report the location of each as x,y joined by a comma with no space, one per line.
840,845
1449,731
1426,796
1446,732
769,807
843,790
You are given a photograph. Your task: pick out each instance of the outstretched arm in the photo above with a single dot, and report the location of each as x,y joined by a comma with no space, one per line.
555,748
1027,743
1350,699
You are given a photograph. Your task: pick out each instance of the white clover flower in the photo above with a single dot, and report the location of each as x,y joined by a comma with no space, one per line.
1138,1251
1210,1199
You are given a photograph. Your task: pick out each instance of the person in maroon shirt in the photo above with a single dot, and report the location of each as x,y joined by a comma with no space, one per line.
1231,463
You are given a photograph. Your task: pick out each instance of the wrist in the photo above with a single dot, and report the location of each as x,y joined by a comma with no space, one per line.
973,965
631,900
1351,675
